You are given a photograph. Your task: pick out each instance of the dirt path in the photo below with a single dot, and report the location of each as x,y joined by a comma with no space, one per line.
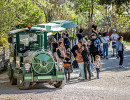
114,84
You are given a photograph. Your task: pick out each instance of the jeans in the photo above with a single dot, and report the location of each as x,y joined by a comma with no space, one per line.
87,66
81,68
98,70
105,49
91,66
67,71
120,54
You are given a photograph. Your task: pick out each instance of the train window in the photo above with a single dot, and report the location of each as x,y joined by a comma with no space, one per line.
26,39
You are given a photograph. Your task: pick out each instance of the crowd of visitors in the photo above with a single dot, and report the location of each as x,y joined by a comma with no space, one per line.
87,52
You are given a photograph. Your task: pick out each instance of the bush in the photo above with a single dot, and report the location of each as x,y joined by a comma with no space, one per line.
3,42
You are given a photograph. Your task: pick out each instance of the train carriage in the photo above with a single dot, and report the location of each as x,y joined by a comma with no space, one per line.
30,61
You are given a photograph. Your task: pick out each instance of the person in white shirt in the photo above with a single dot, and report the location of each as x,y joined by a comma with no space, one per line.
105,41
114,38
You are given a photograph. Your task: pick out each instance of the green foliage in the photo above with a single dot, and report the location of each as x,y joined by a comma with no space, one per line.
18,14
121,5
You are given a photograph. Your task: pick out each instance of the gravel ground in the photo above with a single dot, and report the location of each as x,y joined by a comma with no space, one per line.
114,84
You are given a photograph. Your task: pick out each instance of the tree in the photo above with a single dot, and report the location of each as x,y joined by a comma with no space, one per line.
18,14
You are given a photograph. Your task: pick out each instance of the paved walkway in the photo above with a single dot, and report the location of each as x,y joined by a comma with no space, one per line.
114,84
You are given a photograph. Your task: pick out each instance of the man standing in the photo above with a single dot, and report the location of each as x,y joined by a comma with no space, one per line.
94,28
66,41
114,38
95,46
79,35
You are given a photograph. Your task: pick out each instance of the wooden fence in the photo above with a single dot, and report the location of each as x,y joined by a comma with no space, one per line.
4,57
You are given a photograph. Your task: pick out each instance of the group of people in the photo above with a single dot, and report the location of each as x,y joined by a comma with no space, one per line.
87,52
118,45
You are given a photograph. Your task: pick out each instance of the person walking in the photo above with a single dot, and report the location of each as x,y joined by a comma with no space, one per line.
114,38
79,58
97,65
105,41
120,46
85,55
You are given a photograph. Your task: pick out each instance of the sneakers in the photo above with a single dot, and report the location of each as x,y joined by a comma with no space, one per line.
106,57
113,56
80,78
121,66
117,57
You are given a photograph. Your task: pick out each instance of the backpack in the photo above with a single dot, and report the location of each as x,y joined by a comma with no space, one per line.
85,56
93,48
75,64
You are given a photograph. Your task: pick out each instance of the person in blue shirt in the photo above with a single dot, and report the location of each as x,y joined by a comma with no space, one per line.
120,46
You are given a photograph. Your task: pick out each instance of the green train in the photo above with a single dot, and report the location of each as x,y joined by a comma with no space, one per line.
30,61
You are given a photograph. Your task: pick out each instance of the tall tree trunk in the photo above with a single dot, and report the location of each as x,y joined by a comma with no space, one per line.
91,17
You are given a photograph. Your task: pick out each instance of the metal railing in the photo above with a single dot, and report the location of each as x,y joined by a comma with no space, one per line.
4,57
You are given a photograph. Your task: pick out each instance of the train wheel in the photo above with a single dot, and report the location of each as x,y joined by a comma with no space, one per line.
13,81
60,84
21,84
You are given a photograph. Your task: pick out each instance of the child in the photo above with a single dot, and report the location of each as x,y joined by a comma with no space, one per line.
97,65
67,66
85,55
120,46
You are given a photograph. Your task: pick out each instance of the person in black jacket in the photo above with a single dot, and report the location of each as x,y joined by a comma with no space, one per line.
95,46
85,55
79,35
66,41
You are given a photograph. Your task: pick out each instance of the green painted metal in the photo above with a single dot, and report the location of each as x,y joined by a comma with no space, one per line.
40,40
43,63
17,43
28,77
45,40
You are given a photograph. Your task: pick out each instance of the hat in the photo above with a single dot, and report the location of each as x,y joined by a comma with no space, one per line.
93,34
63,34
114,29
107,34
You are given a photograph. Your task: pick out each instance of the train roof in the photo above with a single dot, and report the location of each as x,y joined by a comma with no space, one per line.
50,27
65,23
24,29
54,26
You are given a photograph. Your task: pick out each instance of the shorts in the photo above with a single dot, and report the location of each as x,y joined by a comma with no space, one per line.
113,45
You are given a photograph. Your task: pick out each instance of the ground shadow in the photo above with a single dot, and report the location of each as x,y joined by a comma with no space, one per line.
6,88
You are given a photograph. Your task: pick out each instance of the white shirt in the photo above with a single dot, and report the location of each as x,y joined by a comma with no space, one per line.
105,39
114,37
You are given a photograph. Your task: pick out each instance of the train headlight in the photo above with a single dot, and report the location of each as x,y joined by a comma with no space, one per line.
27,66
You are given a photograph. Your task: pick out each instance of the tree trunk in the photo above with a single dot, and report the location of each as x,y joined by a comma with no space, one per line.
91,17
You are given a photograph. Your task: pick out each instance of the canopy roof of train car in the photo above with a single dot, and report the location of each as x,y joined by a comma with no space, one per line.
50,27
24,29
65,23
